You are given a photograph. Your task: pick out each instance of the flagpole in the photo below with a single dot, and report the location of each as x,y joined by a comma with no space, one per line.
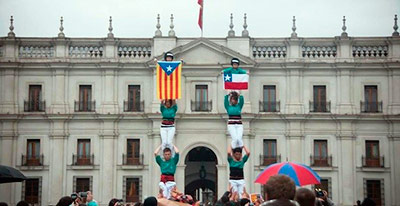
202,17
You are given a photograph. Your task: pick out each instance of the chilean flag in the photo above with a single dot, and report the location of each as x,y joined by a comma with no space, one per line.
236,81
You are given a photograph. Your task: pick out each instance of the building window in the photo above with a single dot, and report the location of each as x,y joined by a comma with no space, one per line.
319,103
269,103
372,157
374,190
132,189
371,103
201,102
32,191
133,104
320,157
85,103
83,184
132,152
32,157
35,103
83,152
269,155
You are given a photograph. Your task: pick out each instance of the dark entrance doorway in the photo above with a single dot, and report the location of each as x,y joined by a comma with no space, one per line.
201,174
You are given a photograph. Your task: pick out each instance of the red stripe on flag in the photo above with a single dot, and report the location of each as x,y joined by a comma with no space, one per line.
171,85
176,82
165,85
236,85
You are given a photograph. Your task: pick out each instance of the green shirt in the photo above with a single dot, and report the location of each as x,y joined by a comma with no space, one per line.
168,113
237,164
235,71
168,167
234,109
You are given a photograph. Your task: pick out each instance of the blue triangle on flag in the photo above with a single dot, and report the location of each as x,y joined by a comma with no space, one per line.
169,67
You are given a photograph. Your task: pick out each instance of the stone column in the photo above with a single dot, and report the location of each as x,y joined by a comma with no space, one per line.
57,161
59,105
394,143
109,102
295,91
345,102
394,88
107,162
222,180
9,97
346,160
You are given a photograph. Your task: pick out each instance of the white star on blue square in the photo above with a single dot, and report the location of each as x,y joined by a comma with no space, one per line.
227,77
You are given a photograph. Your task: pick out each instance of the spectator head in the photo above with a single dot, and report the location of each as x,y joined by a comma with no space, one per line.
280,187
368,202
305,197
167,153
114,202
3,204
64,201
225,197
89,196
237,153
244,201
150,201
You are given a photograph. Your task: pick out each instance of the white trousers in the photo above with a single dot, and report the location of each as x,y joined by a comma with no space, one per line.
237,186
166,188
236,132
167,135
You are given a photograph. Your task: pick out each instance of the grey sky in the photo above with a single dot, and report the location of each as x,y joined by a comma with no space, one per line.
137,18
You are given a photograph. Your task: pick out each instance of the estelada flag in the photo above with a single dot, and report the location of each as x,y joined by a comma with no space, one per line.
169,79
236,81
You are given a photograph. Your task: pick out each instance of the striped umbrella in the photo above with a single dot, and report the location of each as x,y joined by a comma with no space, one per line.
300,173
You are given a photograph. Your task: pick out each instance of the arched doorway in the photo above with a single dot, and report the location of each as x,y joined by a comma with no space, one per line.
201,174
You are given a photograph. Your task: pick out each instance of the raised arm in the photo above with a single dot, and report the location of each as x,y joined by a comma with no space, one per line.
176,149
157,150
246,150
226,101
241,101
229,150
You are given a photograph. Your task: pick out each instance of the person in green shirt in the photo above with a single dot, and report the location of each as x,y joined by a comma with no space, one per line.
236,164
235,69
233,103
168,110
168,168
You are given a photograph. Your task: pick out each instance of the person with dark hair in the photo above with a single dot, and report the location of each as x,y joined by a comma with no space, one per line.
305,197
368,202
150,201
168,168
115,202
64,201
236,164
280,190
233,104
3,204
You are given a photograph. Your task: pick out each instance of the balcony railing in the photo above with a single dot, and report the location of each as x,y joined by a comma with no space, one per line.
85,106
82,159
133,106
318,161
27,160
34,106
320,106
266,160
270,106
201,106
373,161
132,160
371,107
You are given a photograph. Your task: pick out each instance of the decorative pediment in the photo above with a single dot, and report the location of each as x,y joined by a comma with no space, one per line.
204,51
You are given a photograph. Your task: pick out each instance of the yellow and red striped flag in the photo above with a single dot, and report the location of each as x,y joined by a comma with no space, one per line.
169,79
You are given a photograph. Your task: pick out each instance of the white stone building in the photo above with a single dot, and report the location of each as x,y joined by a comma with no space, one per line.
82,114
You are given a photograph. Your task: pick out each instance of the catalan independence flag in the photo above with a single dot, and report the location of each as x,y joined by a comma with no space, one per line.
169,79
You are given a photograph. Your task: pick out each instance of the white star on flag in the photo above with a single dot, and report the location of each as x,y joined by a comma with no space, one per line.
169,68
227,78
